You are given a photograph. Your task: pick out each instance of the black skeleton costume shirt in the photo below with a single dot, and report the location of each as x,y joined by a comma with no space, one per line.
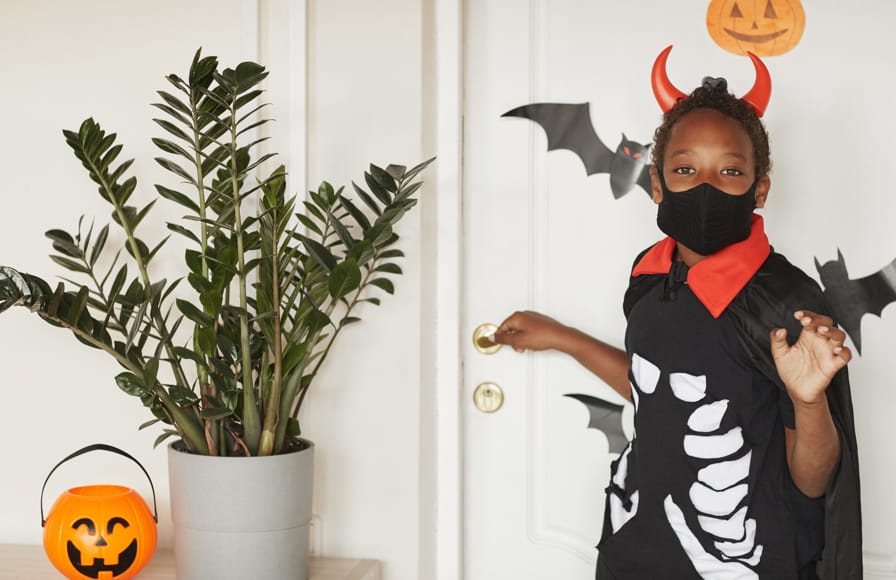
703,490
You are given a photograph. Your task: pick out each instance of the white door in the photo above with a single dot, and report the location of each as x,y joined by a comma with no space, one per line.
540,234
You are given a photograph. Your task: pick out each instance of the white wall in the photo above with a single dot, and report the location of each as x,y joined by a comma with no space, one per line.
70,61
65,61
364,106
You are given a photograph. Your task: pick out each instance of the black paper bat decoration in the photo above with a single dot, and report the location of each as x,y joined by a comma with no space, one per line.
569,126
849,300
606,417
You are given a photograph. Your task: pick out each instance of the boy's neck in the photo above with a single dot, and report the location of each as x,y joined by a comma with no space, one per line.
687,255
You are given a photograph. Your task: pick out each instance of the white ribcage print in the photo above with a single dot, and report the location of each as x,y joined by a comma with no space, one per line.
619,515
646,375
720,487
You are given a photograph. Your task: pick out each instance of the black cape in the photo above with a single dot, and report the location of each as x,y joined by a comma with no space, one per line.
768,301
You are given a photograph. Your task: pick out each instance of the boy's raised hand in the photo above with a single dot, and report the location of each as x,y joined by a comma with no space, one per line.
808,366
528,330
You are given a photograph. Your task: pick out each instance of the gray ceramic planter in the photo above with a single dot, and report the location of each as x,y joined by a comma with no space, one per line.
237,518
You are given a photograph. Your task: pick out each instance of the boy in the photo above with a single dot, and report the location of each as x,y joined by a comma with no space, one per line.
743,463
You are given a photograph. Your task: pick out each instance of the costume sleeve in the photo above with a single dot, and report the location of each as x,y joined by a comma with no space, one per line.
842,558
769,301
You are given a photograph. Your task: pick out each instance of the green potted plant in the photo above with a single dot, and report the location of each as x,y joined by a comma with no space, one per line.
224,354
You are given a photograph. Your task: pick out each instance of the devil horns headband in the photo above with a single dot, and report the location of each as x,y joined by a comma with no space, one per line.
667,95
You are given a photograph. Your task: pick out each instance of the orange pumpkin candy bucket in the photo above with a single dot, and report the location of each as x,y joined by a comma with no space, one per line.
102,532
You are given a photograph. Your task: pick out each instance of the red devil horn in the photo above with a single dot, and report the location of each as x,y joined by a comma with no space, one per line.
665,92
762,89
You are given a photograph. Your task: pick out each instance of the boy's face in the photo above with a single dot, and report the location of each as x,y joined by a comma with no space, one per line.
706,146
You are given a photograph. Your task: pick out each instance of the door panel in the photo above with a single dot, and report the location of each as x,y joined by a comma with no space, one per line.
536,233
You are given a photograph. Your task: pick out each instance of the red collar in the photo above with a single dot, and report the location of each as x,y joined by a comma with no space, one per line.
716,279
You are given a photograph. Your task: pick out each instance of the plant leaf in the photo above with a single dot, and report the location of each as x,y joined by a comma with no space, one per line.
368,201
389,268
215,413
130,384
345,278
165,435
193,313
70,264
99,244
178,198
385,284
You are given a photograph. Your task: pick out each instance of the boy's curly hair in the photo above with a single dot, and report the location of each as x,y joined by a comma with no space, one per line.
713,94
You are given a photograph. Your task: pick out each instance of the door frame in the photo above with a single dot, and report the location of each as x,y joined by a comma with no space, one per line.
443,134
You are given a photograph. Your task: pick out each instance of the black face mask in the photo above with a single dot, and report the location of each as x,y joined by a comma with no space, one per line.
706,219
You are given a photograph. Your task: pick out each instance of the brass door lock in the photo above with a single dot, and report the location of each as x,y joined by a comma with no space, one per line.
488,397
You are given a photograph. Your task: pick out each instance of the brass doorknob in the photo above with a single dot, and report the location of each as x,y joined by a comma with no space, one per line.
483,338
488,397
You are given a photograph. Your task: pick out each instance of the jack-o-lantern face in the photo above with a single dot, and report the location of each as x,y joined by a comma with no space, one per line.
763,27
102,532
89,549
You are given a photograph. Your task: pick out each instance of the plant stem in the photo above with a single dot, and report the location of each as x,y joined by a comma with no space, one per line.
206,386
187,426
251,419
155,316
267,444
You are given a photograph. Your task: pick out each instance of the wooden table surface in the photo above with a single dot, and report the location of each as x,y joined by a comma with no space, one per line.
25,562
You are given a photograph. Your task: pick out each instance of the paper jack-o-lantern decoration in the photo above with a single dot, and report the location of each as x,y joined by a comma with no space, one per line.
763,27
103,532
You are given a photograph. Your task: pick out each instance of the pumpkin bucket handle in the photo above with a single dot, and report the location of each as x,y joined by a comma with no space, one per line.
99,447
